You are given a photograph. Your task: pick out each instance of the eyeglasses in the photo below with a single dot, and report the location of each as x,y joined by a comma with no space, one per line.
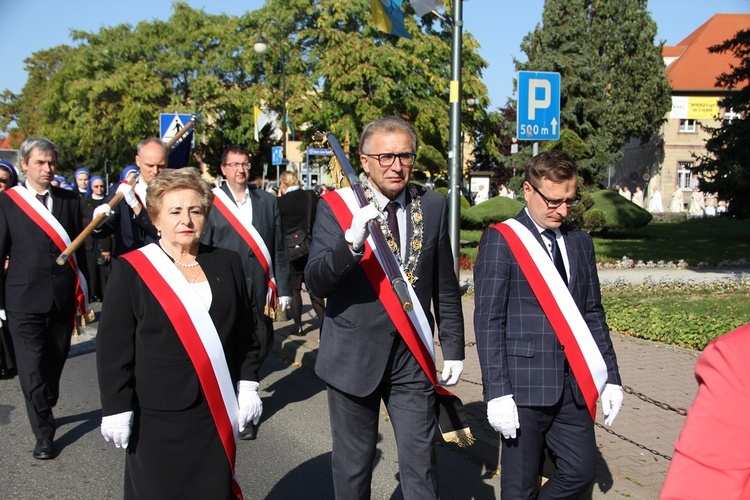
97,186
237,165
388,159
552,204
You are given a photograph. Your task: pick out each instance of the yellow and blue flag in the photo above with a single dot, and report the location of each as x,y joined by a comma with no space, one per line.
388,16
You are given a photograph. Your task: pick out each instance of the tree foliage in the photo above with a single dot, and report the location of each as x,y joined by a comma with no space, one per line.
614,85
725,167
99,97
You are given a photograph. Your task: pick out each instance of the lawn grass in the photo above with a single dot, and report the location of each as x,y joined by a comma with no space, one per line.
709,240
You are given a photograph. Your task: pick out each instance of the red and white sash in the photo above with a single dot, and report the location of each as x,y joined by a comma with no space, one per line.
248,233
585,358
196,329
47,222
412,326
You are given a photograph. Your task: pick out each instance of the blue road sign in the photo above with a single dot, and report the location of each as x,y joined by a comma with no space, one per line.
276,155
538,106
170,124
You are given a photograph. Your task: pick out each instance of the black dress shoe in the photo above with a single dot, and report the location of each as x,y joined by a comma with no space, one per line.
44,450
248,433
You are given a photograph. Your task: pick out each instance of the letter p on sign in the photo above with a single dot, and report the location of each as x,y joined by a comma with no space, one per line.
539,96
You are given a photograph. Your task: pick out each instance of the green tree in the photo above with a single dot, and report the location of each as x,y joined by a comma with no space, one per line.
102,96
725,167
613,82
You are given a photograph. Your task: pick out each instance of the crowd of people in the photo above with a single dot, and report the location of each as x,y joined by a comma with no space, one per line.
700,204
192,276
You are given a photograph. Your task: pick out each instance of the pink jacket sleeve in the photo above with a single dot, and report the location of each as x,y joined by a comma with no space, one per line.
712,455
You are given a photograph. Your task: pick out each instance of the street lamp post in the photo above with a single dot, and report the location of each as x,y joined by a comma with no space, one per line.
260,46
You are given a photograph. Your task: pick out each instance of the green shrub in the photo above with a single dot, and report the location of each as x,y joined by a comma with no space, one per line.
680,313
620,213
490,212
594,220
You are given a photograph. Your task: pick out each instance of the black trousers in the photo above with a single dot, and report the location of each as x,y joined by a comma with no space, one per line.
567,430
42,344
410,399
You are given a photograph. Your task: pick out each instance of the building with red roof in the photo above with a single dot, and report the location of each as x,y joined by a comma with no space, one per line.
692,71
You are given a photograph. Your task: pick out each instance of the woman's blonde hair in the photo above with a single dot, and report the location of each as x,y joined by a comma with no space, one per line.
289,177
180,178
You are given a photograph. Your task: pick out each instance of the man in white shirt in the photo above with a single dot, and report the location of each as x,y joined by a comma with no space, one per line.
258,214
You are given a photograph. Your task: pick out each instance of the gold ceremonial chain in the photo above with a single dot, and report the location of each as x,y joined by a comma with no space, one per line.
417,220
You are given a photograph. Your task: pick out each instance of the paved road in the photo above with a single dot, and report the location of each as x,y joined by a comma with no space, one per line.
291,457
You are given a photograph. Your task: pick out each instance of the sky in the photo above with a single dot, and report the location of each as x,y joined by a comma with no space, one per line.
28,26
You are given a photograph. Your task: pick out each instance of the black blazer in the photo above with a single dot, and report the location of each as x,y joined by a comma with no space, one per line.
34,281
267,221
356,336
141,361
518,350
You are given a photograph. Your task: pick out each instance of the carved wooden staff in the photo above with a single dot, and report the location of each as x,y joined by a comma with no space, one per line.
63,258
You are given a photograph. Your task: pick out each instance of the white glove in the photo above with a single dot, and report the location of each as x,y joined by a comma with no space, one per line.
451,372
117,428
103,209
503,416
285,303
2,316
251,407
358,232
611,402
128,193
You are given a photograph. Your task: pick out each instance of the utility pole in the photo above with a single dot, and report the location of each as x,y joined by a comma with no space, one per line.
455,174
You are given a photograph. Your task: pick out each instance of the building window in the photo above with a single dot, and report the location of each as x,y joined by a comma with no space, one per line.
685,177
687,125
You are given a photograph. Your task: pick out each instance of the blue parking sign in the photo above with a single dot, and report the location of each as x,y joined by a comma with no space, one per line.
276,155
538,106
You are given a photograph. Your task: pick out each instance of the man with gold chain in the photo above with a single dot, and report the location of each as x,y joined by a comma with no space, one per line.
367,354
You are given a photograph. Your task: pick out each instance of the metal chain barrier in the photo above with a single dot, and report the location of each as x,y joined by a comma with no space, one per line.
634,443
647,399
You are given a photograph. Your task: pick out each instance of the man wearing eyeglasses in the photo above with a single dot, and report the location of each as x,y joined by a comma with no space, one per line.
247,219
366,354
542,339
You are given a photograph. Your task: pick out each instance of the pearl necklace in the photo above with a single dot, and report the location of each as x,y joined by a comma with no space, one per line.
181,264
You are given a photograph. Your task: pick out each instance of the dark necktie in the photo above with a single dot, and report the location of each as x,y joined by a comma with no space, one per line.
42,198
390,210
556,255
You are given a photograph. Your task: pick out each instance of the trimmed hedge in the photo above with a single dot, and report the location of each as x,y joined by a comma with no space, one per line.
490,212
620,213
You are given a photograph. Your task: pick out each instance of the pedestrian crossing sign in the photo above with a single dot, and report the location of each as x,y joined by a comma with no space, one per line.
170,124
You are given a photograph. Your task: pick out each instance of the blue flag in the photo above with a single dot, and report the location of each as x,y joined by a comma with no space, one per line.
388,16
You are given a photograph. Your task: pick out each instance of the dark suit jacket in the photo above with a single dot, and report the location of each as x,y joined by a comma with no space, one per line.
518,350
130,231
357,333
267,221
34,281
297,210
141,361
